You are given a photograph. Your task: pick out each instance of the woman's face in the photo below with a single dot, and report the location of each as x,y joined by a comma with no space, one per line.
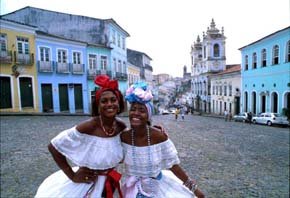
138,114
109,104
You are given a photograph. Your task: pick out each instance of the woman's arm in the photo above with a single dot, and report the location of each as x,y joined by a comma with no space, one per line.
61,161
82,175
180,173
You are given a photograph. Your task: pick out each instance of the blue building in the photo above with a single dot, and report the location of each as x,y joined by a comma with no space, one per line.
106,53
266,73
61,74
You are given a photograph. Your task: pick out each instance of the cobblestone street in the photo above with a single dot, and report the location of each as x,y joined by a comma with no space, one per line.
227,159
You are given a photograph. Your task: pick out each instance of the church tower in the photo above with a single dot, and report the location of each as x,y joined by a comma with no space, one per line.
207,57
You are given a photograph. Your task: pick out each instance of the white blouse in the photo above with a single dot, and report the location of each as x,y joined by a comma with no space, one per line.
162,156
88,150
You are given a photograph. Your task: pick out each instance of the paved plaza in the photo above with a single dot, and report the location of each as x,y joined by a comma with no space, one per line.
228,159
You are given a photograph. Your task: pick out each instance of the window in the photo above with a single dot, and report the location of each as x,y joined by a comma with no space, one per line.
123,43
3,42
76,58
221,90
225,90
230,90
275,55
115,64
22,45
264,58
254,66
92,61
217,90
62,56
288,52
104,62
124,67
216,50
204,51
246,62
119,66
44,54
213,90
119,40
114,37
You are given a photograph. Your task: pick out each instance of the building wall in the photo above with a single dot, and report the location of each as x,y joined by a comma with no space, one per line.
17,71
221,101
267,81
70,79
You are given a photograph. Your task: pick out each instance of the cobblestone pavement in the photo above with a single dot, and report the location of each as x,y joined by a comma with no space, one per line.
227,159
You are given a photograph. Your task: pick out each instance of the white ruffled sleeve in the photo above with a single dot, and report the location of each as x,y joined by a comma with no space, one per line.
169,155
90,151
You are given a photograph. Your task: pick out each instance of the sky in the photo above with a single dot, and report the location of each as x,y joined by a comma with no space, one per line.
166,29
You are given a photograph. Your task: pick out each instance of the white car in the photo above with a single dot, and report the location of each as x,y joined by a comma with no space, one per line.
242,117
270,119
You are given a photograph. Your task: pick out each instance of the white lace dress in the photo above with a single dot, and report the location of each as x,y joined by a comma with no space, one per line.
146,175
84,151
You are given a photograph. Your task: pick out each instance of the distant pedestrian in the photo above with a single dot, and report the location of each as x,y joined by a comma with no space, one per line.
230,116
226,115
183,110
176,113
250,117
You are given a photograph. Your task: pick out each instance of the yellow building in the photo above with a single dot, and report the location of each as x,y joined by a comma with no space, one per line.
133,73
18,73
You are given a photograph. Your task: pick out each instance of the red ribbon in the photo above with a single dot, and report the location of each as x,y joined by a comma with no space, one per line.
112,181
106,84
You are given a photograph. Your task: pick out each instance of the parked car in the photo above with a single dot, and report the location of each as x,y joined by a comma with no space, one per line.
241,117
165,112
270,119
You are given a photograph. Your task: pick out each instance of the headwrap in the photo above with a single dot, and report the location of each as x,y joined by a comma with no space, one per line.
105,84
139,92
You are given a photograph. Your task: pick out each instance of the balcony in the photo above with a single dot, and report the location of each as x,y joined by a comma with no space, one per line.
121,76
24,59
77,68
92,73
45,66
62,68
5,57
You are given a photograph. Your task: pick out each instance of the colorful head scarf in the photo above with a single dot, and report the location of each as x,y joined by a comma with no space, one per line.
105,84
139,92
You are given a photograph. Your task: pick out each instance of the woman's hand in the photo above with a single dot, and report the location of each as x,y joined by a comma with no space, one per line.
85,175
199,193
160,127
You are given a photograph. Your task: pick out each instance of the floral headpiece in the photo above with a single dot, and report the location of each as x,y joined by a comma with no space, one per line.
139,92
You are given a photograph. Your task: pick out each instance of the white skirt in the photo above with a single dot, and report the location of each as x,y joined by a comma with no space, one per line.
58,185
169,186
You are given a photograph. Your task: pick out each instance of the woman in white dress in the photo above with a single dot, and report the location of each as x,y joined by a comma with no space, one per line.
95,148
147,152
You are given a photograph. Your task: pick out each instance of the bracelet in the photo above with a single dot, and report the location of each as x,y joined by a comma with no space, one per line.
190,184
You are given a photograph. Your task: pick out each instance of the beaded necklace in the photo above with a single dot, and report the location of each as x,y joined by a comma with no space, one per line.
150,167
111,131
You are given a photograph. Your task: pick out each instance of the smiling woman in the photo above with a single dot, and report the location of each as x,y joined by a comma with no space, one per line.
89,146
148,151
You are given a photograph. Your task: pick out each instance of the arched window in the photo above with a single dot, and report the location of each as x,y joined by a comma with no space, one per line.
288,52
264,58
246,62
216,50
275,55
254,64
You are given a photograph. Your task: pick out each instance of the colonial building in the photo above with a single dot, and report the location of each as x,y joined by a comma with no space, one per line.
225,90
133,73
141,60
62,79
18,81
266,73
207,57
105,38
